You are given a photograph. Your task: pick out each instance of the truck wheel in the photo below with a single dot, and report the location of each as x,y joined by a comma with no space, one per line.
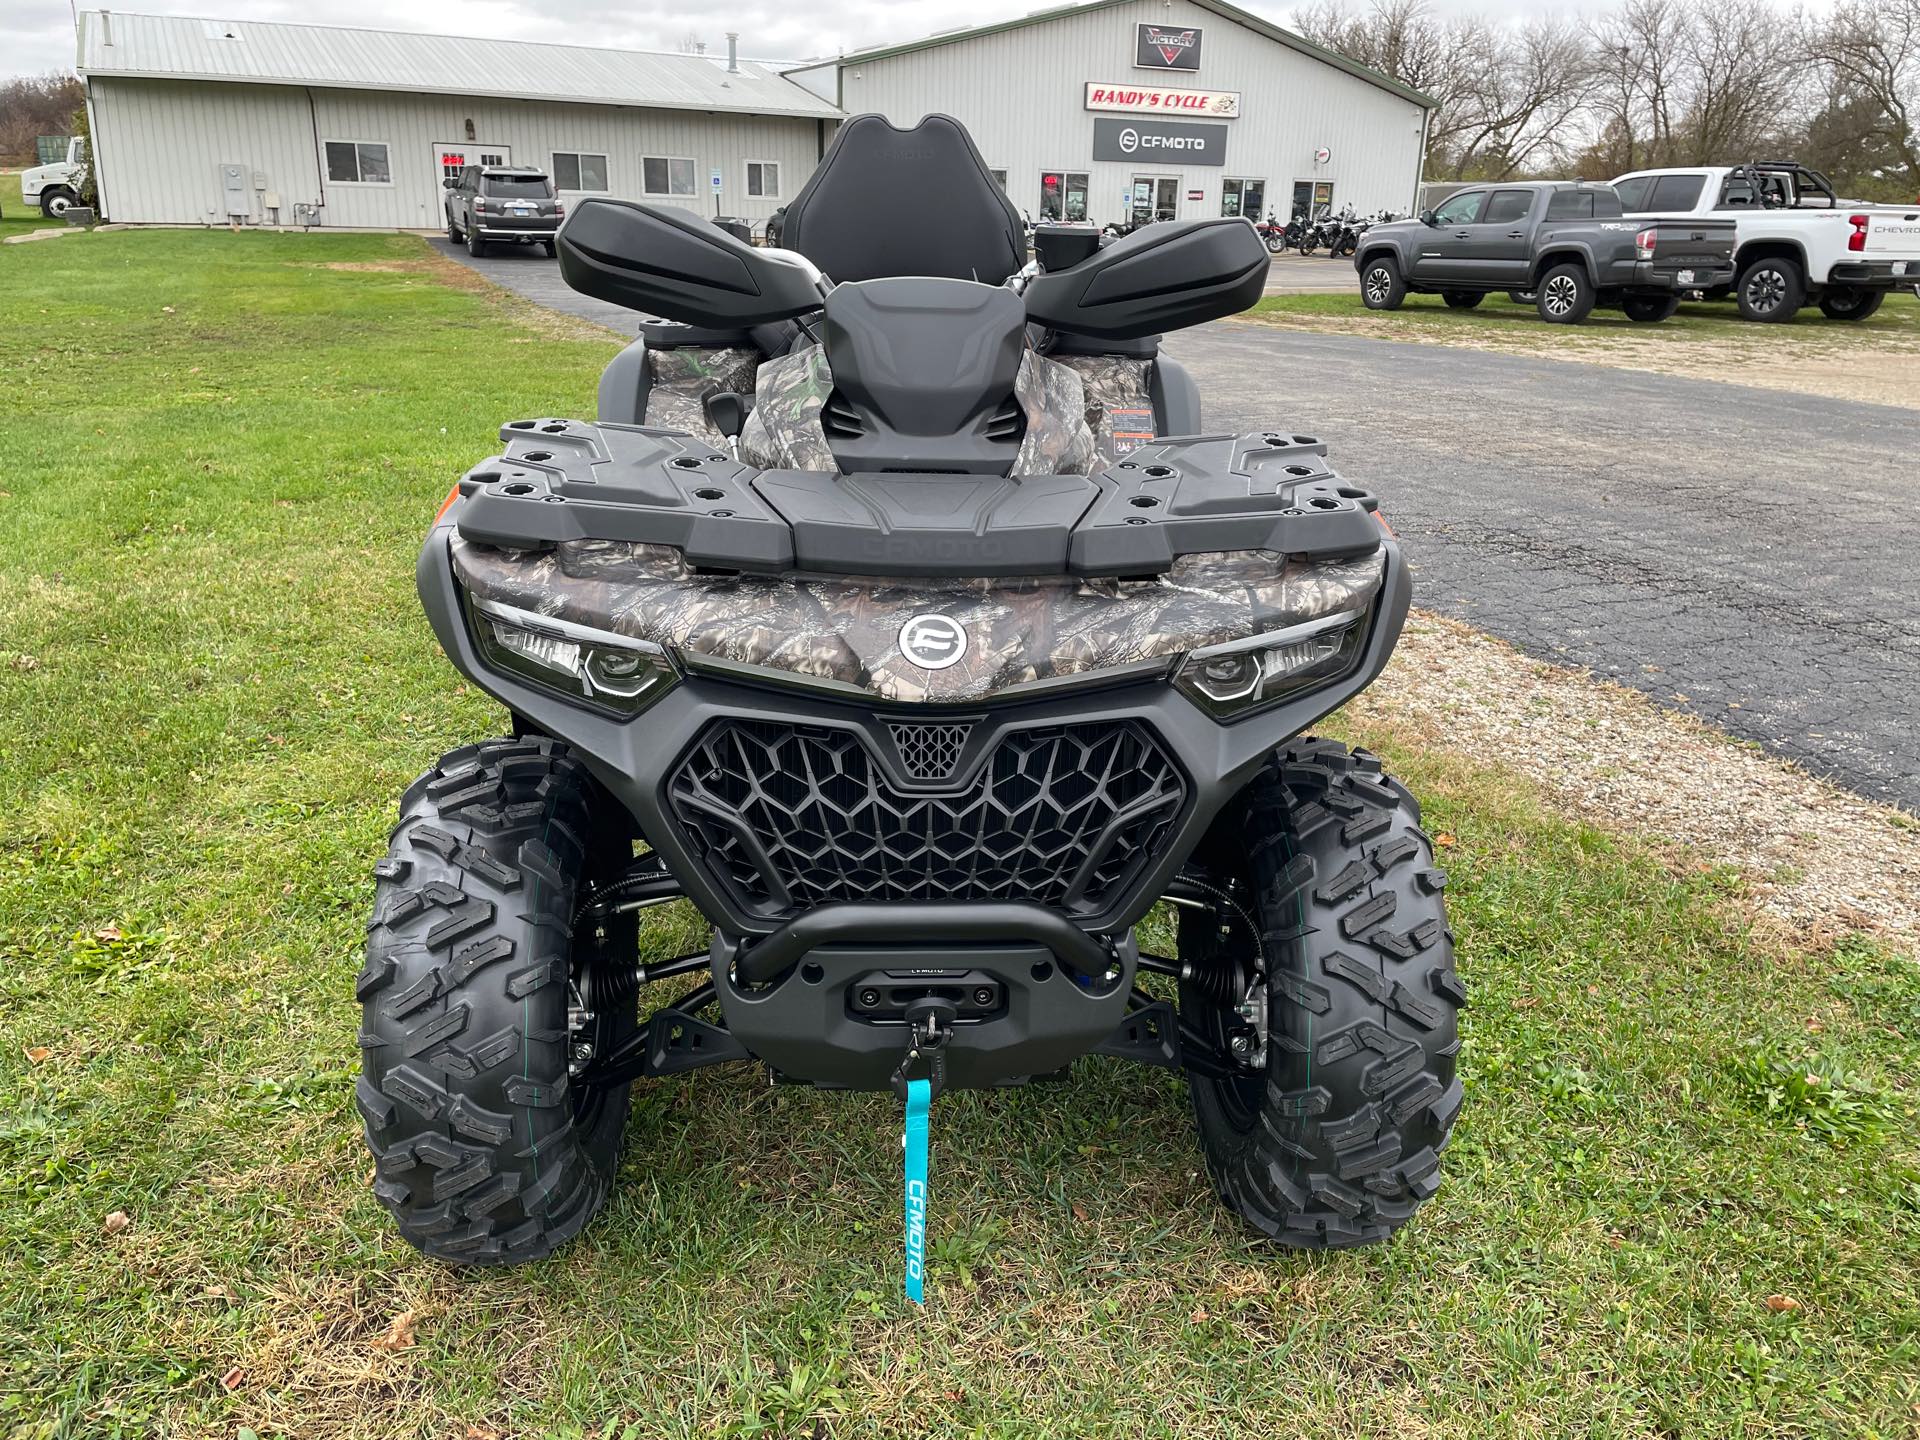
1650,309
484,1151
1772,290
1462,299
1382,286
1338,1139
56,200
1565,296
476,247
454,233
1849,304
1520,297
551,247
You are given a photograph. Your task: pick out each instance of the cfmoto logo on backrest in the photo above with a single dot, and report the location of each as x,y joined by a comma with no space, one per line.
933,642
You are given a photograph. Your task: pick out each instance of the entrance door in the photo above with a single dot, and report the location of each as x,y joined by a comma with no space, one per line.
451,157
1155,197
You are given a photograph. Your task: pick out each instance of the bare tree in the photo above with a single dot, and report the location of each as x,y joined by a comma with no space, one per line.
1872,54
35,105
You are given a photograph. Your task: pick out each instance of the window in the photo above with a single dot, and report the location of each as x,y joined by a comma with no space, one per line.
1570,205
518,187
1677,192
665,175
763,179
1063,195
358,162
1322,195
579,171
1507,206
1243,197
1461,209
1633,193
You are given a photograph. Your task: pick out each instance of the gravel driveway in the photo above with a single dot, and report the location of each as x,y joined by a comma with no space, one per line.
1745,555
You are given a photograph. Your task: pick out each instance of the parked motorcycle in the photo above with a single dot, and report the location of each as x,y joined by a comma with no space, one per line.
1275,236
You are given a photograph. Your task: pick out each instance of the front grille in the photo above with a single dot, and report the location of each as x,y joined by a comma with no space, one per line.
787,817
929,752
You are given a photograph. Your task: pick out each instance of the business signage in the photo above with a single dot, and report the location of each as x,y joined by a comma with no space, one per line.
1154,100
1162,142
1158,47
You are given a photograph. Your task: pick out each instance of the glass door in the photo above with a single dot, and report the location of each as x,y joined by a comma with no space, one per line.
1155,197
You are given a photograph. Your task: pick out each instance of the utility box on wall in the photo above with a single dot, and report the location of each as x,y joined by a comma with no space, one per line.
236,202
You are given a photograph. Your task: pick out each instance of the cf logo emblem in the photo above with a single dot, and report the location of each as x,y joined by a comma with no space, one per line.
933,642
1129,140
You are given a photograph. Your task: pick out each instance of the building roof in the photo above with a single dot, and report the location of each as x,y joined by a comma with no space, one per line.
176,47
1219,7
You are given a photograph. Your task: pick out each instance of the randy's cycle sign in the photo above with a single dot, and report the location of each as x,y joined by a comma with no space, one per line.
1167,142
1159,47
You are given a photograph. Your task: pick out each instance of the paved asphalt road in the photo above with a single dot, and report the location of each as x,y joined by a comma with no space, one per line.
1747,555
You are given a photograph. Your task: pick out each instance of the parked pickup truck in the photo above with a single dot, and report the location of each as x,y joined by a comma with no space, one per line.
1564,243
502,204
1797,240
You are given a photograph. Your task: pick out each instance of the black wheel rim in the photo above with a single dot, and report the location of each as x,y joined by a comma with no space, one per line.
1765,290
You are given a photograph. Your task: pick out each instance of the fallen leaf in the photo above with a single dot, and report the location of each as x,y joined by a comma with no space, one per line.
166,310
481,1432
1200,1315
1445,840
954,1395
1526,1002
1781,1303
38,1053
399,1334
107,934
1080,1212
115,1223
231,1380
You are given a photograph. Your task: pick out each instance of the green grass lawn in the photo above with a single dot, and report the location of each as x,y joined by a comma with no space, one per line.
1899,316
1683,1199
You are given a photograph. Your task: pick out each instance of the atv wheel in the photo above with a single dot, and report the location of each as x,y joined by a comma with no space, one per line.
1772,290
485,1152
1462,299
1845,304
1382,287
1337,1140
1650,309
1565,296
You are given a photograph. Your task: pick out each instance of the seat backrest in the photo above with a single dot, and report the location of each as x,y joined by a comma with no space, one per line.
887,202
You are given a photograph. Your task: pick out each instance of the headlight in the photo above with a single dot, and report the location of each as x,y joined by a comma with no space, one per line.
1235,679
610,670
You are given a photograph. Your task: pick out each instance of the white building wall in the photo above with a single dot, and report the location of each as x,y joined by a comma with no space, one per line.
1022,94
162,142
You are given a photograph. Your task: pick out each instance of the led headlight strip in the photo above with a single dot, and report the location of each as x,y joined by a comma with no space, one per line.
615,672
1242,676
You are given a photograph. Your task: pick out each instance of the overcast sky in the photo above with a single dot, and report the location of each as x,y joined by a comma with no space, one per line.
37,35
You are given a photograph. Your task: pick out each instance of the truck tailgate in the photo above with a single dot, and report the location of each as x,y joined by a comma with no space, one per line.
1692,242
1893,235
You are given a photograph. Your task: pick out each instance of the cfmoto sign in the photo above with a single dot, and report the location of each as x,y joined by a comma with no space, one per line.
1160,140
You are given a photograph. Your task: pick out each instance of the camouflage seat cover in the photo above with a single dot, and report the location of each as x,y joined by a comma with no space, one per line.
680,379
784,432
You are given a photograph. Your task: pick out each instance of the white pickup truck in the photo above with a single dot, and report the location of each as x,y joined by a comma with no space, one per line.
56,188
1795,240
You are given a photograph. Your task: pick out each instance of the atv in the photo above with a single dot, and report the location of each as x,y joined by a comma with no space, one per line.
899,613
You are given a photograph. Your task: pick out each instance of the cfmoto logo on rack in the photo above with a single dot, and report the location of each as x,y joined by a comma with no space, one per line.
933,642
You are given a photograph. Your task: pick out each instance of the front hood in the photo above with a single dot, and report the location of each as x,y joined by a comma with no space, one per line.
847,628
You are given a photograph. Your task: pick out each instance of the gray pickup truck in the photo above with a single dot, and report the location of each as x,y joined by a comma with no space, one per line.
1563,244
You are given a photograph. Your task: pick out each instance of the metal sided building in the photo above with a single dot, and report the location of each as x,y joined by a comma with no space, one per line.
215,122
1123,109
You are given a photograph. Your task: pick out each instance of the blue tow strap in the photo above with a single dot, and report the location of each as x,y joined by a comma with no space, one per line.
919,1102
